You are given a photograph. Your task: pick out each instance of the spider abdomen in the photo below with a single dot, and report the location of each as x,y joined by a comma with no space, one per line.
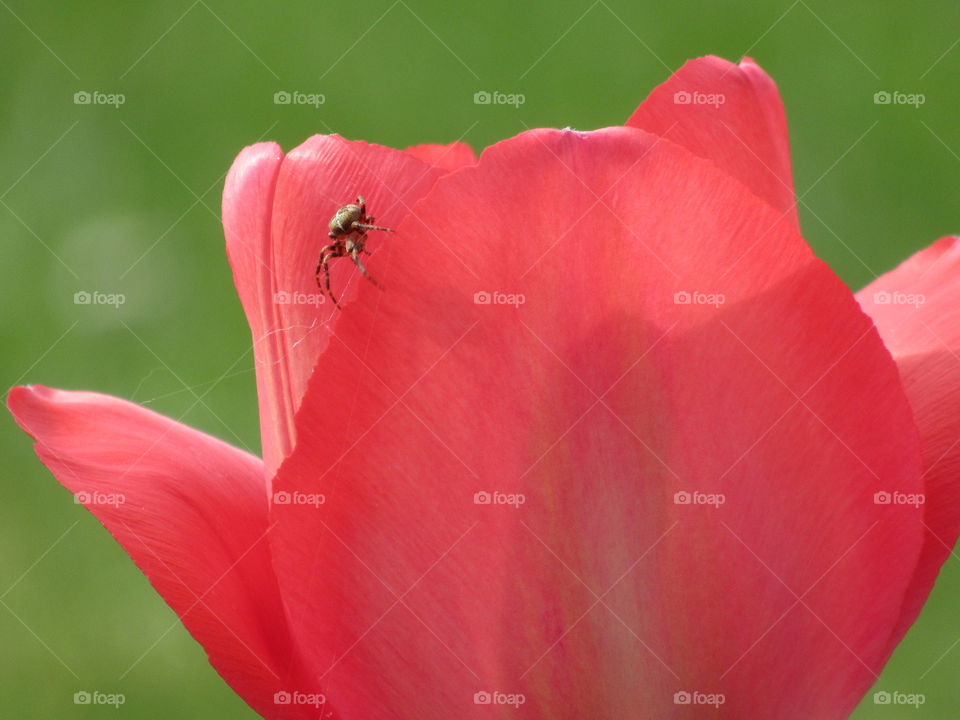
342,221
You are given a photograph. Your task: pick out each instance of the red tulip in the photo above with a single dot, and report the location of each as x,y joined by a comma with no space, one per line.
612,442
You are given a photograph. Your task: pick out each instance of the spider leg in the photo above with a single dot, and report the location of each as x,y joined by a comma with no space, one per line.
325,255
321,263
356,261
365,226
326,271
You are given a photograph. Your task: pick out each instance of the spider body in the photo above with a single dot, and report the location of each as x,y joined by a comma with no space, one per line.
348,230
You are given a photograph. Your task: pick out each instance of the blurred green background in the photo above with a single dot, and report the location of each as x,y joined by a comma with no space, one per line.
126,200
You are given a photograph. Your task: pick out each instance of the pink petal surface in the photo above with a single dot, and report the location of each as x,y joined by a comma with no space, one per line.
917,310
446,157
743,131
598,398
247,212
191,512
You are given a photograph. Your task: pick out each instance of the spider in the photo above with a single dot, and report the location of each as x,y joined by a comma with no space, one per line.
348,229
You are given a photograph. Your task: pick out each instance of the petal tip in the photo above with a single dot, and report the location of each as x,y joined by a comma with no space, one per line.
251,156
20,396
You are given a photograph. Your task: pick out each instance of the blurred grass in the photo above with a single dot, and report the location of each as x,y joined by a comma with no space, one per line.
126,201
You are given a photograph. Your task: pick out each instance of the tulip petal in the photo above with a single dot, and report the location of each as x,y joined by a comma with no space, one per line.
916,308
587,322
314,180
446,157
191,512
730,114
276,210
247,208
